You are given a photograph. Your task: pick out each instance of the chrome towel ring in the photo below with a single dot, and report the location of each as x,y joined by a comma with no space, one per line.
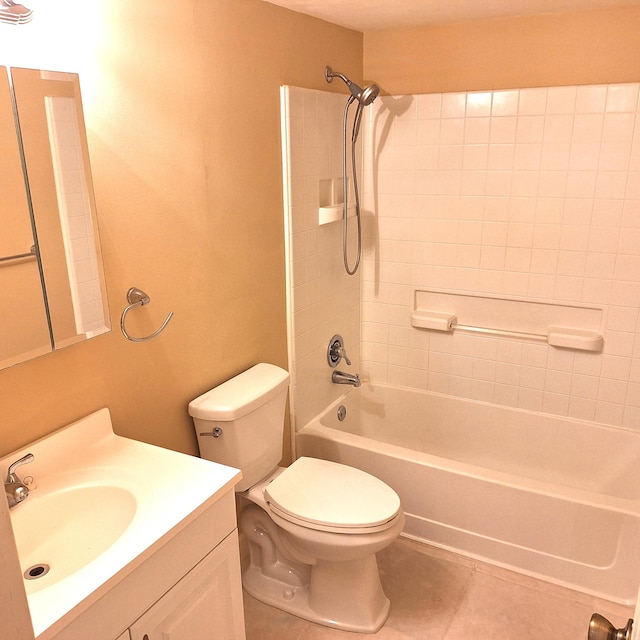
138,298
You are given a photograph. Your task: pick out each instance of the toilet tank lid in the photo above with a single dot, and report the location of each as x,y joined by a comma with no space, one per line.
241,394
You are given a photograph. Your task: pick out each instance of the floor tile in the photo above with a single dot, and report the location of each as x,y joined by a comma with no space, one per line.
425,591
501,610
437,595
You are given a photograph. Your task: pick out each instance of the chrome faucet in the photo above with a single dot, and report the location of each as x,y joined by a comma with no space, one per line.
340,377
15,490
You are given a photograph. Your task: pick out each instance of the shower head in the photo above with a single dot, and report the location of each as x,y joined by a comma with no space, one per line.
369,94
364,96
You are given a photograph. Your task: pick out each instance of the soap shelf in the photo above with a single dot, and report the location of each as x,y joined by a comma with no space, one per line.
551,323
331,201
575,339
333,213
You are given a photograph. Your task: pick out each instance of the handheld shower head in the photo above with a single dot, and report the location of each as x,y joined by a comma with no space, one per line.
369,94
364,96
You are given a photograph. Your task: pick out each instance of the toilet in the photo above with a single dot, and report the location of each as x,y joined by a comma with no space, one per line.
313,528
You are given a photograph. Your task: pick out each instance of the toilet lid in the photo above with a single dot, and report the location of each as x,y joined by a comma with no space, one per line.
327,495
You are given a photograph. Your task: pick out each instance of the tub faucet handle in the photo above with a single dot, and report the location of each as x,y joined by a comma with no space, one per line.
343,354
337,352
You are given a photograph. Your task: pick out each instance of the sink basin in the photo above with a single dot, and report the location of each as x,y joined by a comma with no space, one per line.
66,516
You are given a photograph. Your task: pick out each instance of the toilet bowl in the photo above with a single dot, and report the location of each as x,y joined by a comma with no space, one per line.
313,529
327,543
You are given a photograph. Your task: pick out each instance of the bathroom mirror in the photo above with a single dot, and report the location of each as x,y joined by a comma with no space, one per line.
52,287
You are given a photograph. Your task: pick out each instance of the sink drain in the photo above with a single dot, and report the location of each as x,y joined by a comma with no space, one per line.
36,571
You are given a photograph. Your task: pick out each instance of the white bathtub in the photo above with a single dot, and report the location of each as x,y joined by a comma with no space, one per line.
554,498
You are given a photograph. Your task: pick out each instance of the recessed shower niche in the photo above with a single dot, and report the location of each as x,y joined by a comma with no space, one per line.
52,287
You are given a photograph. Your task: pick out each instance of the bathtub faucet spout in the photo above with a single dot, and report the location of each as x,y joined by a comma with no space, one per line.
340,377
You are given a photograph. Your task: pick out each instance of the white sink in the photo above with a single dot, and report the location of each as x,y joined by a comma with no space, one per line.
101,505
52,529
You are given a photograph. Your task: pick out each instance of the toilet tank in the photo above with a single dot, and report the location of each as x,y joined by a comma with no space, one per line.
249,411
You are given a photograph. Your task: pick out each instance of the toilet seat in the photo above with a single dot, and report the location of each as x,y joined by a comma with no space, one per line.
328,496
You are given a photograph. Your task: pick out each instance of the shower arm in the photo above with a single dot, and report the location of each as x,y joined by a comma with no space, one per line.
364,96
330,74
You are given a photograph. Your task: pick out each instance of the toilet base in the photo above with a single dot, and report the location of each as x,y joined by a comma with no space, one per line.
342,595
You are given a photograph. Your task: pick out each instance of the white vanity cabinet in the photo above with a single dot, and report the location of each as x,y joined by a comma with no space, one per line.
203,605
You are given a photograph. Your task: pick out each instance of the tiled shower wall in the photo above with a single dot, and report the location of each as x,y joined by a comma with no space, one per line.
531,194
322,299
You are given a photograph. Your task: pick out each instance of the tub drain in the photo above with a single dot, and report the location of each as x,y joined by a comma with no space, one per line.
342,412
36,571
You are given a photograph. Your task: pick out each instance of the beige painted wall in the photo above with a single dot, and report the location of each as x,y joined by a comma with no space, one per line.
589,47
183,116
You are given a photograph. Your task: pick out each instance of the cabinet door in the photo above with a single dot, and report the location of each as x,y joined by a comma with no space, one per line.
205,605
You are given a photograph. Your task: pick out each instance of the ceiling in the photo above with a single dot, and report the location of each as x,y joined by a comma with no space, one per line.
369,15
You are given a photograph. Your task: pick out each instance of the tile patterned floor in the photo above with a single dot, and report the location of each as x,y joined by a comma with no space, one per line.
437,595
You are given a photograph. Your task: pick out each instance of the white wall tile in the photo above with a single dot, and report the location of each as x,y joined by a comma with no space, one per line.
591,98
505,103
561,99
533,101
429,105
522,193
478,104
453,105
622,98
